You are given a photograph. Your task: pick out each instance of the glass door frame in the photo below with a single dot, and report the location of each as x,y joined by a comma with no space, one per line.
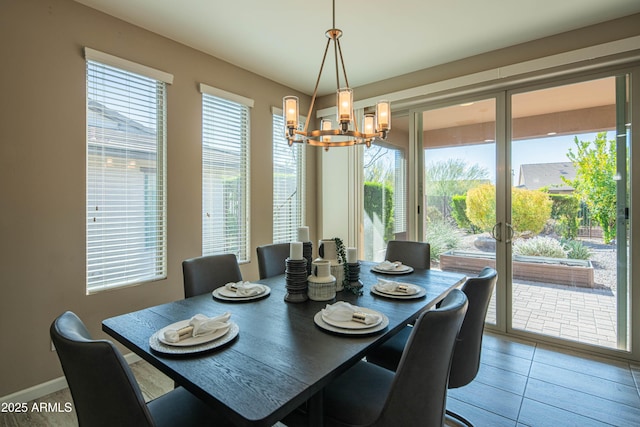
416,157
504,288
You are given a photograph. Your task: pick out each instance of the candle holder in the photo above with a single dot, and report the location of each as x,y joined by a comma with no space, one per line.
353,278
307,253
295,275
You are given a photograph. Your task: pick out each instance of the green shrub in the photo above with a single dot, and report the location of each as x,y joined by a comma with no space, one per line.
539,246
530,209
481,206
378,198
459,212
442,236
564,210
576,249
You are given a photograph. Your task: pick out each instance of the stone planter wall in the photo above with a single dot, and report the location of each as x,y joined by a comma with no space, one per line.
536,269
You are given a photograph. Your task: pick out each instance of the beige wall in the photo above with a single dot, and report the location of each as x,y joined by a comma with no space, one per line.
42,171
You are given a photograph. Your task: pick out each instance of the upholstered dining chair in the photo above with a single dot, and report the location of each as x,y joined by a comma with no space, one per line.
466,356
271,259
414,254
368,395
105,392
206,273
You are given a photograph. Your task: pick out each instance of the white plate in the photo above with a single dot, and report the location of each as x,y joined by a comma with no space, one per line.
188,342
401,269
226,296
324,325
414,287
352,324
400,295
158,346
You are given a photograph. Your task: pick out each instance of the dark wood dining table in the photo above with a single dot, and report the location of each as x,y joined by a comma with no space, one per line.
280,359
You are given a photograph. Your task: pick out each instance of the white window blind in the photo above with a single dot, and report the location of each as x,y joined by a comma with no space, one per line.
400,193
126,201
225,177
288,185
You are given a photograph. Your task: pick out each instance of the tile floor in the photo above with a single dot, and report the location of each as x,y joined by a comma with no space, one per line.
527,384
519,384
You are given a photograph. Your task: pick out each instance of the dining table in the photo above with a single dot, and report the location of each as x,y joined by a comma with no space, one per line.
281,359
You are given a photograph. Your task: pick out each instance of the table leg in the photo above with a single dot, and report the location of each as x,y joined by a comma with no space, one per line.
316,411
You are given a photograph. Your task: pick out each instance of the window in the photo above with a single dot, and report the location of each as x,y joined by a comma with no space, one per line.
126,200
225,173
384,198
288,184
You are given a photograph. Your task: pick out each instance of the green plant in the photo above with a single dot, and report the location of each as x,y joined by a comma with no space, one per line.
452,176
342,257
441,236
530,209
576,249
459,212
378,202
595,163
564,210
481,206
539,246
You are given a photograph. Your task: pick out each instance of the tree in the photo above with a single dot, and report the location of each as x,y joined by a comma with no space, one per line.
450,177
595,163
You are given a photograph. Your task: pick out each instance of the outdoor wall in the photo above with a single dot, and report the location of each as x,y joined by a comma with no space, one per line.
42,171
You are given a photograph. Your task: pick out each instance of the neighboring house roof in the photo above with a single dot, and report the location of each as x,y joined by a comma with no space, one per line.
538,175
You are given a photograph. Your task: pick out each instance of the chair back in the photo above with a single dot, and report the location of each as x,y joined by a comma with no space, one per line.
466,356
414,254
420,382
271,259
104,390
206,273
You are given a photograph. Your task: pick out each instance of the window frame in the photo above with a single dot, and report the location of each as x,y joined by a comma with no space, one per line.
125,140
226,103
287,230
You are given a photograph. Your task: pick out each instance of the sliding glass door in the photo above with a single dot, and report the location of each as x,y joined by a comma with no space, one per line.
459,144
536,183
568,221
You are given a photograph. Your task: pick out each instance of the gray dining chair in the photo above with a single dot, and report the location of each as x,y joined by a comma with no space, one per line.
415,395
206,273
466,356
271,259
105,392
414,254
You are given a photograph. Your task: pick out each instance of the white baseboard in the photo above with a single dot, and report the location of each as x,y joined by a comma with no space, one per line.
57,384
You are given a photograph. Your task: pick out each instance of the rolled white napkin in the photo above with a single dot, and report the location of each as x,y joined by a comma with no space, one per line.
198,325
245,289
388,265
391,286
342,311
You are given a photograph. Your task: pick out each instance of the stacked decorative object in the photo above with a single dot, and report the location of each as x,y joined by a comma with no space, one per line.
353,271
322,285
295,274
328,251
307,246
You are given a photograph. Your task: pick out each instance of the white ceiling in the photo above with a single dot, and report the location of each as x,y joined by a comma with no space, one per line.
284,40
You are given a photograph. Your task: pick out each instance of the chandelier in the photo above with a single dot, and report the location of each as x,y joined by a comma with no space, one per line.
375,125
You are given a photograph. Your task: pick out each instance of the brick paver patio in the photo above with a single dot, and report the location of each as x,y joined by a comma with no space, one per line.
579,314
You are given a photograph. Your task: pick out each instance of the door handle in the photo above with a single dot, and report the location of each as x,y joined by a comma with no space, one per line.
509,233
497,236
